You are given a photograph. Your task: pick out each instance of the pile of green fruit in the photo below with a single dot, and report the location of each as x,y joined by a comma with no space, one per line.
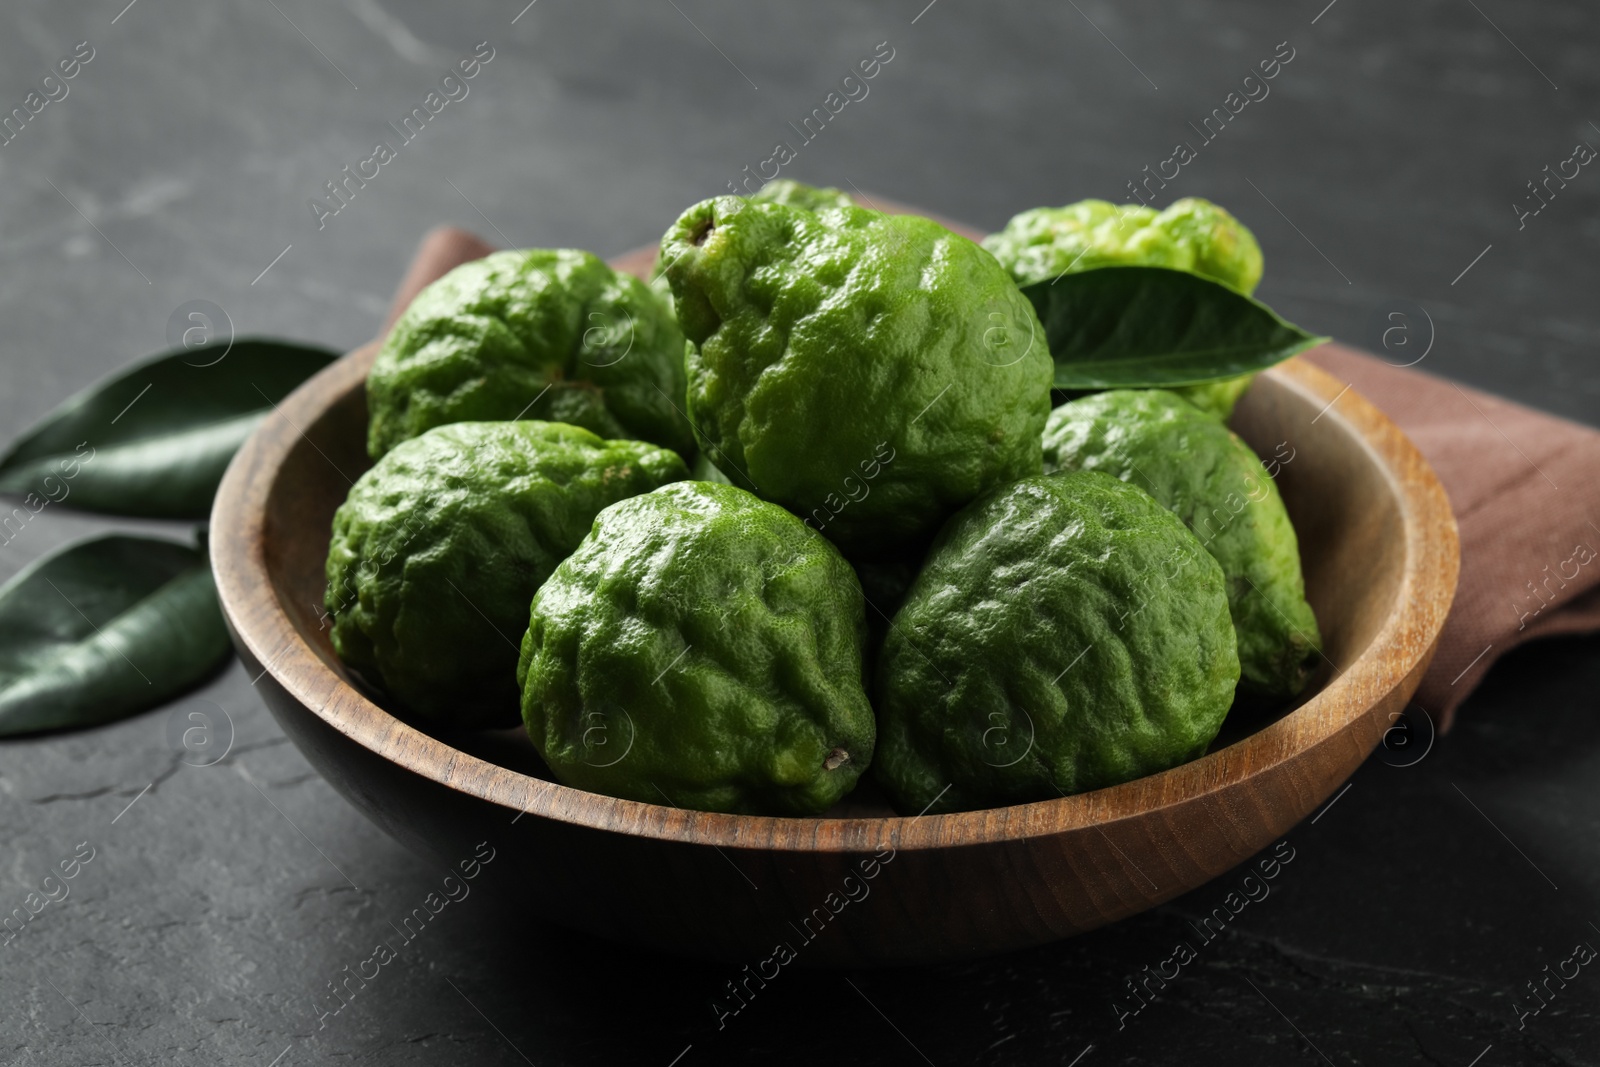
802,506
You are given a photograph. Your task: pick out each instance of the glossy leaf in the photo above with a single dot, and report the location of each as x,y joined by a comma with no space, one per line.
155,439
104,629
1147,327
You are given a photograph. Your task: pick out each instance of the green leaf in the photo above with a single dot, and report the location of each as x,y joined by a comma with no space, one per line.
104,629
1149,327
155,439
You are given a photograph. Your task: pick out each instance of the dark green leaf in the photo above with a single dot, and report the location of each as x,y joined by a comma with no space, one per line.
154,440
104,629
1148,327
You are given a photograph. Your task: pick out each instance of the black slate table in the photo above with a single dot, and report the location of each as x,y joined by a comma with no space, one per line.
1383,163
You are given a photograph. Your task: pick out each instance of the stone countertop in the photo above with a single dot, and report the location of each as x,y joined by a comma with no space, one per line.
1381,166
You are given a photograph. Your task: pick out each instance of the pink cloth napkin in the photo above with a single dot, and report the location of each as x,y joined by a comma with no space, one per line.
1524,489
1522,483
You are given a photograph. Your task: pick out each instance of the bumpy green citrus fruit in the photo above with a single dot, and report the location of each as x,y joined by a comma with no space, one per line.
1046,242
779,191
1066,633
439,547
701,648
1209,478
1215,244
540,333
1191,234
798,194
871,373
1217,398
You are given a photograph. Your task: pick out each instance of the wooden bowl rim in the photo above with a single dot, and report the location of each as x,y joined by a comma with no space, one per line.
264,628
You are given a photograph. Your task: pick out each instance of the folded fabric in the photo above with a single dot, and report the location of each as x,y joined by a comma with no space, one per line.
1523,487
1522,484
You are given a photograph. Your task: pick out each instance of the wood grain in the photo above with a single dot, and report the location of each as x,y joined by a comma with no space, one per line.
1380,551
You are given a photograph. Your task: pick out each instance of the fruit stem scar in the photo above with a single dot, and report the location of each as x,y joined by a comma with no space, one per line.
702,230
836,759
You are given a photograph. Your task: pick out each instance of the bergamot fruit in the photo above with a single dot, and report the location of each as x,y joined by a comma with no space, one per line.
1201,471
439,548
1192,234
779,191
700,648
550,334
871,373
1045,242
798,194
1066,633
1213,243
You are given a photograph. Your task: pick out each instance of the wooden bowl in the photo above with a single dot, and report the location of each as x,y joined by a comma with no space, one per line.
1380,551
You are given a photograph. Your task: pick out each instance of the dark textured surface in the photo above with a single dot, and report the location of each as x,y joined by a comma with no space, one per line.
217,906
